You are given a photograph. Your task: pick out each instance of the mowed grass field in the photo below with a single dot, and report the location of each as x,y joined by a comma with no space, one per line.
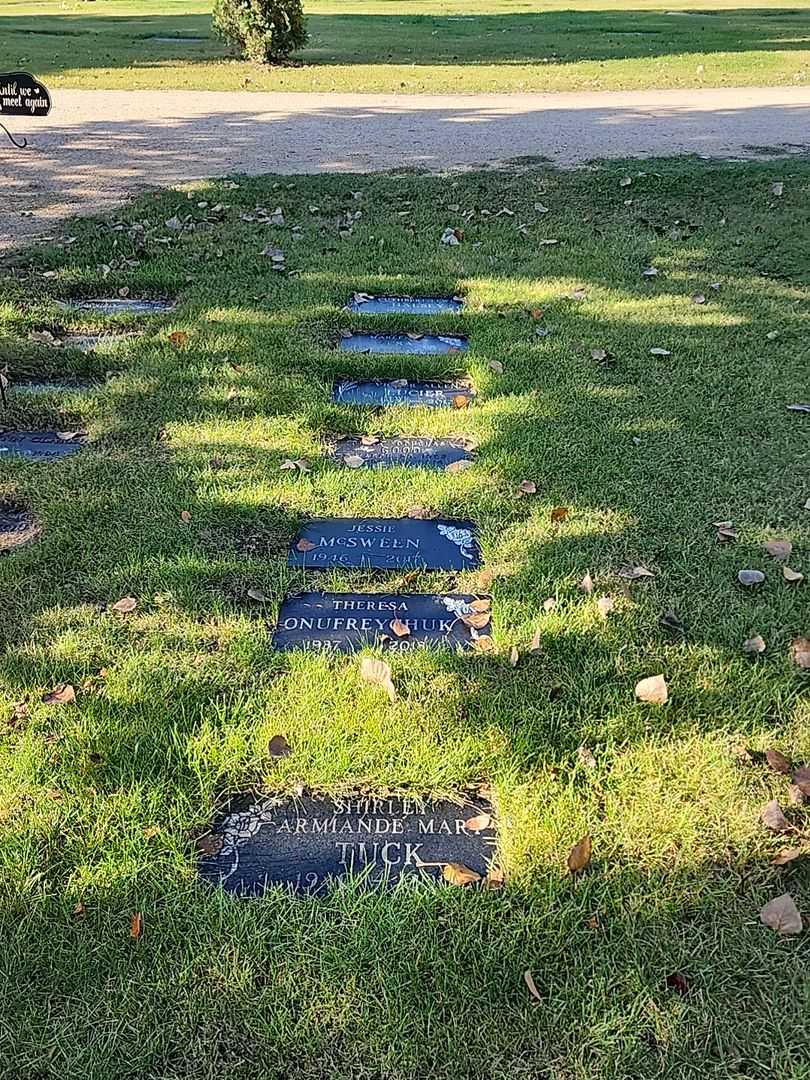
653,962
417,46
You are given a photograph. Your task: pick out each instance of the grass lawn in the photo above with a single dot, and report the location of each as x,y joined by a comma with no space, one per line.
101,799
406,46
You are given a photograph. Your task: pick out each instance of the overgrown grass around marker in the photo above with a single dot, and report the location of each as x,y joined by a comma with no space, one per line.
410,46
100,800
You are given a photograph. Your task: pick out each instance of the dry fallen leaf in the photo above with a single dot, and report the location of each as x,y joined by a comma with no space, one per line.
528,978
459,466
185,516
779,549
210,844
782,915
354,461
585,756
258,595
461,401
419,513
496,366
478,824
633,573
579,857
789,855
792,576
653,689
305,545
279,747
558,514
378,673
800,652
586,585
801,779
178,337
527,487
399,628
125,605
753,646
604,605
778,762
457,873
750,578
514,656
773,818
136,925
62,694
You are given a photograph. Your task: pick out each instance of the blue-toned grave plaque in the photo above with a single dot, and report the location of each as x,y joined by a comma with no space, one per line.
115,305
431,344
386,544
345,622
424,393
365,304
406,450
39,444
308,844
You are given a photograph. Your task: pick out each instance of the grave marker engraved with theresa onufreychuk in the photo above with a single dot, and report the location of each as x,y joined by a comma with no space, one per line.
365,304
386,544
307,844
406,450
40,444
345,622
406,344
424,393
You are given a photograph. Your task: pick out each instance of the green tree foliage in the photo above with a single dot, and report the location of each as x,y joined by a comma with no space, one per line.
264,30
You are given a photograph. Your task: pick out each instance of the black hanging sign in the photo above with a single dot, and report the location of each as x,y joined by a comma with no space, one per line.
22,95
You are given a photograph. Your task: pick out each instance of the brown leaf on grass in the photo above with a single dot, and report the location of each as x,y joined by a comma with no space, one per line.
604,605
792,576
482,642
782,915
482,604
369,440
478,824
399,628
558,514
378,673
305,545
178,338
514,656
527,487
779,549
136,925
420,513
579,857
185,516
125,605
459,466
773,818
778,762
278,747
536,314
796,796
495,879
62,694
788,855
754,646
257,595
678,981
537,643
456,873
653,689
460,401
750,578
79,910
698,298
210,844
496,366
69,436
633,573
477,620
586,585
800,652
585,756
528,978
801,779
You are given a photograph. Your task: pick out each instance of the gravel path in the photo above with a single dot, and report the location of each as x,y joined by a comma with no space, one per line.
99,147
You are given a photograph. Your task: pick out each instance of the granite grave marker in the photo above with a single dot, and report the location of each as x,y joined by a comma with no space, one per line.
406,450
387,393
406,344
345,622
308,844
365,304
42,445
117,305
386,544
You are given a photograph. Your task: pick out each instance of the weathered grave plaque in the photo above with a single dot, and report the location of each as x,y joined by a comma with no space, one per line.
89,342
345,622
431,344
308,844
411,450
39,444
17,527
427,393
116,305
386,544
36,387
364,304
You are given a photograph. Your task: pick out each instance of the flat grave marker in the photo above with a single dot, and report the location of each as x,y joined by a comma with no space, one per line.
405,450
386,544
346,622
365,304
89,342
308,844
17,527
414,393
117,305
405,344
40,445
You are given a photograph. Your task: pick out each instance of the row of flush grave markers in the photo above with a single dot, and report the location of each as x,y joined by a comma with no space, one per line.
343,621
306,844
